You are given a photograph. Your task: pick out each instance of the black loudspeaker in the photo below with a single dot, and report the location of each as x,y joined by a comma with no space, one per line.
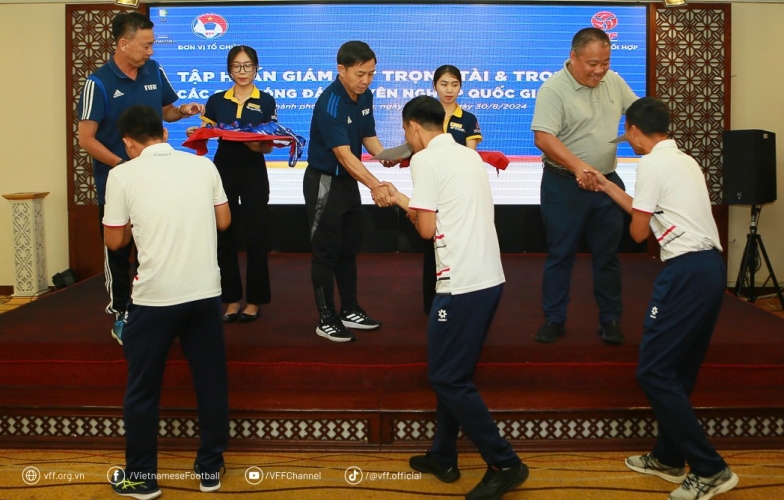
63,279
749,167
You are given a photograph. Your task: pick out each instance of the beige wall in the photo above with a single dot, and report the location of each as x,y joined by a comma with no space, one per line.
32,131
34,151
758,103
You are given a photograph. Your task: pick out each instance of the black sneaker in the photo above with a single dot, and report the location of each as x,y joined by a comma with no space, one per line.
141,490
334,330
428,464
359,320
209,481
611,332
549,332
498,481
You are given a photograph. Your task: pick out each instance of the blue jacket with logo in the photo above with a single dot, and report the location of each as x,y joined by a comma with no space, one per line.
339,121
107,93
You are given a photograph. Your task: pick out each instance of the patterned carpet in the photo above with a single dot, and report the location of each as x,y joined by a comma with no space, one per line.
554,476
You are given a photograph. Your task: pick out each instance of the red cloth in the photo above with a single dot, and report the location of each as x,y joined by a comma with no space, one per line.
198,140
495,158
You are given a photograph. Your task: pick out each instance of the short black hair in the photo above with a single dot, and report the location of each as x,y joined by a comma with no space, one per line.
588,35
238,49
355,52
447,69
650,115
140,123
126,24
426,111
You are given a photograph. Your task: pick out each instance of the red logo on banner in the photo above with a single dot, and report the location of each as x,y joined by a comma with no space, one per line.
604,20
210,26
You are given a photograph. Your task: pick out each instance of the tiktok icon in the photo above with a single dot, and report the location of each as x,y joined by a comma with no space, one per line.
353,475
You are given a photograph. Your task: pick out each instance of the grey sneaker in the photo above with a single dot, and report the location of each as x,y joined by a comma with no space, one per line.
695,487
647,464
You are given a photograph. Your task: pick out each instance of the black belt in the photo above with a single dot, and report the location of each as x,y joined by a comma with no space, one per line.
557,170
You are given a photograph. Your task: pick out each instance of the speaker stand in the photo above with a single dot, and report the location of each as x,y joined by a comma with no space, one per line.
748,265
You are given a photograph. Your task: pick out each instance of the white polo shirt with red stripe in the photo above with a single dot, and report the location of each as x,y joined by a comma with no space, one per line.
671,186
169,196
451,180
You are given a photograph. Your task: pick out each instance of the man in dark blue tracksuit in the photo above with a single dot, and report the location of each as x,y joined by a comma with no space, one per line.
342,123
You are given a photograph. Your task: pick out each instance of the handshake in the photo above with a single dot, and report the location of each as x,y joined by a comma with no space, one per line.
385,194
591,179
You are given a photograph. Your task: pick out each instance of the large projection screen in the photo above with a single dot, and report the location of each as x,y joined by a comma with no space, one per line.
505,51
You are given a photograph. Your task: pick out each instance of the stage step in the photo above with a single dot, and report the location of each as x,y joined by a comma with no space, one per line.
265,419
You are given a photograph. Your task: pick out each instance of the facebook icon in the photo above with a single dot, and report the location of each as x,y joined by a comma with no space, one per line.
115,475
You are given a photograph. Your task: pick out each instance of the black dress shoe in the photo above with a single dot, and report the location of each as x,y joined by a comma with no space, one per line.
611,332
549,332
230,318
247,318
427,463
498,481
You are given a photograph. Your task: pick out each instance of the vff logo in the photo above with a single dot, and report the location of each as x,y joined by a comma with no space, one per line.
210,26
654,312
442,315
605,21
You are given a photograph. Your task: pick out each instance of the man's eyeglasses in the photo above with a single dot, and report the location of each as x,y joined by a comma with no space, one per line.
247,67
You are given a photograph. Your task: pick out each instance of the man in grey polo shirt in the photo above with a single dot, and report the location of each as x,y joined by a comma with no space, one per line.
576,116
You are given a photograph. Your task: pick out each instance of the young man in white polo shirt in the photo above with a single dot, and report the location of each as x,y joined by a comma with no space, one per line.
173,203
452,205
671,199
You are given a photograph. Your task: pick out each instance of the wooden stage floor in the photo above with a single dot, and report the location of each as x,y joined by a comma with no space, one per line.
62,376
